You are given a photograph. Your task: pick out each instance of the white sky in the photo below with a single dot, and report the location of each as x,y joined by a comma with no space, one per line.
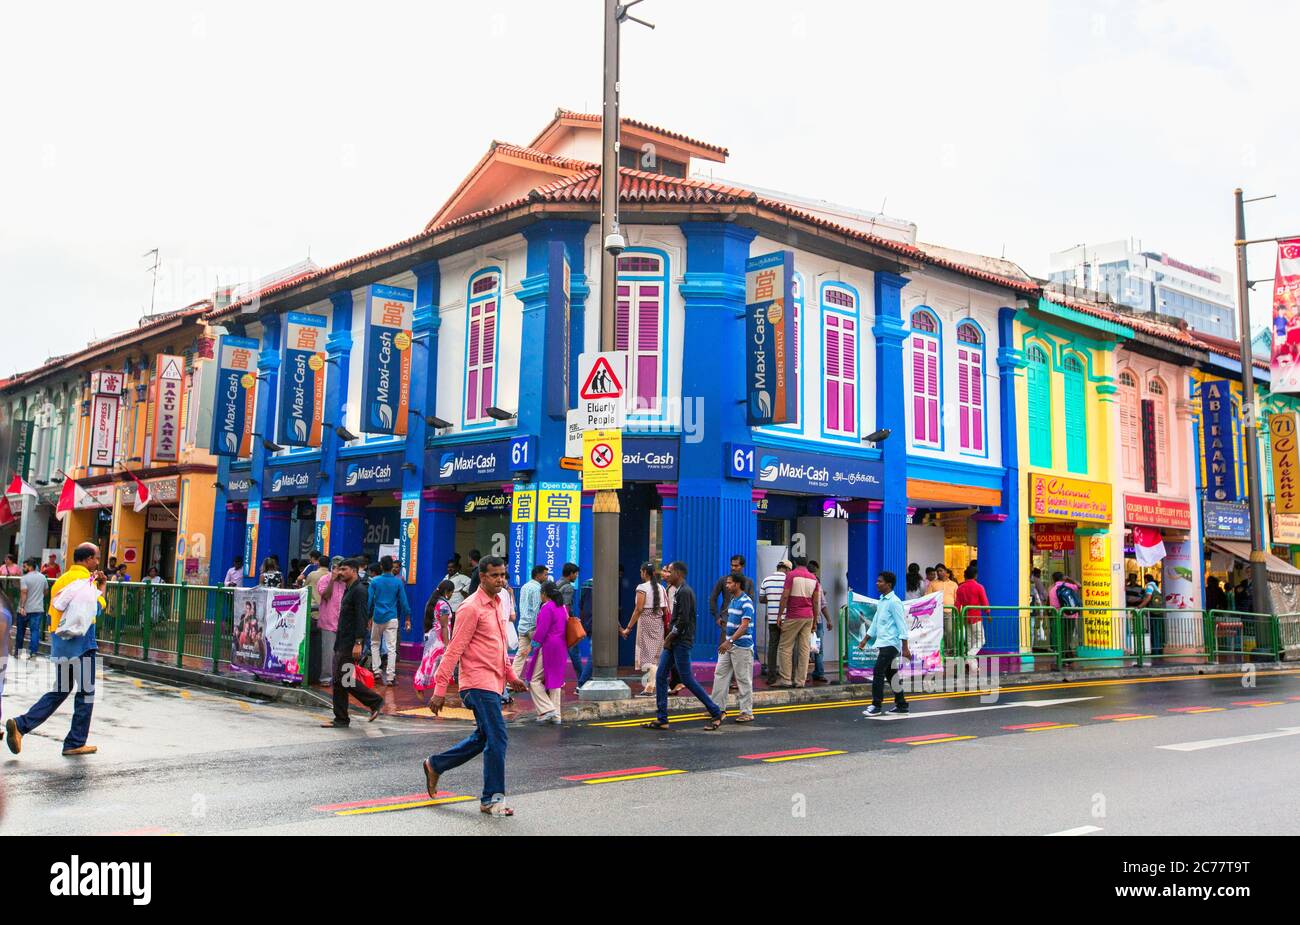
236,136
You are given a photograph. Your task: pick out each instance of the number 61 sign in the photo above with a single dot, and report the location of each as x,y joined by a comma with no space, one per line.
740,461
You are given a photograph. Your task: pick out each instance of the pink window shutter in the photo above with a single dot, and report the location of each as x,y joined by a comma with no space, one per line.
648,350
848,373
918,389
977,402
472,412
832,373
489,353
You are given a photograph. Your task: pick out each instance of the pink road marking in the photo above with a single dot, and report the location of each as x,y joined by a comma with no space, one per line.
381,801
793,751
936,735
625,771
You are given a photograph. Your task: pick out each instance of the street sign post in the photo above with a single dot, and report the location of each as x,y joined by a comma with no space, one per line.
602,396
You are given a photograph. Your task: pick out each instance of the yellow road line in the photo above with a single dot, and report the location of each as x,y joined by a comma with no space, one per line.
1129,719
396,806
941,741
614,780
1208,710
186,694
801,757
243,706
1046,728
838,704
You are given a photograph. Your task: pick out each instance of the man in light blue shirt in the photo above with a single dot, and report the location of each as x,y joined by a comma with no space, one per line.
888,632
530,603
388,603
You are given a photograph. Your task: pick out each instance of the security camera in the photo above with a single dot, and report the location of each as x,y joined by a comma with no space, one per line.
615,244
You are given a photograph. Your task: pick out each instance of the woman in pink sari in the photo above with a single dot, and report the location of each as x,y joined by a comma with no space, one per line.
545,667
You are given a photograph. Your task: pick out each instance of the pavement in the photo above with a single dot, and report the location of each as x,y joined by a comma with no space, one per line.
1188,755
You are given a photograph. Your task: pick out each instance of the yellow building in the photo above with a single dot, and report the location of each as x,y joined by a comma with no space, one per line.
134,409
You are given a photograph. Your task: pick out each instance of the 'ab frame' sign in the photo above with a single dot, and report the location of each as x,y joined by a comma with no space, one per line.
770,386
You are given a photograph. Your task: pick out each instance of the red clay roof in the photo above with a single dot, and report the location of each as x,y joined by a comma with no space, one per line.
595,119
1225,346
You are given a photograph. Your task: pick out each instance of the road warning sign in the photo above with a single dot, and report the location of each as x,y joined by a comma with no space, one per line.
602,396
602,381
602,460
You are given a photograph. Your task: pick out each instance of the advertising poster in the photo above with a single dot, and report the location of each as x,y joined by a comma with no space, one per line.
1217,442
250,646
234,409
270,633
769,339
1097,584
386,375
302,379
523,527
324,510
924,633
559,507
168,382
1285,366
250,540
408,535
1286,462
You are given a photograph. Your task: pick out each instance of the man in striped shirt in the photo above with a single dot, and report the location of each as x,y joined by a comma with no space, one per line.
770,596
736,652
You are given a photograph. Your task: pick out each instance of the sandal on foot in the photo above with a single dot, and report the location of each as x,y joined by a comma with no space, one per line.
745,718
654,724
713,724
495,809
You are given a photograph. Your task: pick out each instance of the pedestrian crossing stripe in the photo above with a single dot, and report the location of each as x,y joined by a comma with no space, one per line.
622,771
825,754
941,740
380,801
625,777
1051,726
761,756
1124,717
1257,703
933,738
1196,709
393,807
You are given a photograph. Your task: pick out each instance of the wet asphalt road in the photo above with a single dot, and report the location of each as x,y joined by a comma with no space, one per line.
1085,758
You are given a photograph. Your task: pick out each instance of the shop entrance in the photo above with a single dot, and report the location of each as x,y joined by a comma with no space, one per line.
160,542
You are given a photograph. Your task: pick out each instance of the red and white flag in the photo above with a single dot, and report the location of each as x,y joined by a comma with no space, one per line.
6,513
19,487
141,493
71,495
1148,546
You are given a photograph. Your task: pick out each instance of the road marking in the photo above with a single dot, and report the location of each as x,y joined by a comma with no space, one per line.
825,754
937,738
1231,740
1124,717
138,683
1078,830
582,777
147,830
916,698
1196,709
1051,726
393,807
186,695
1257,703
1026,726
243,706
615,780
991,706
793,751
380,801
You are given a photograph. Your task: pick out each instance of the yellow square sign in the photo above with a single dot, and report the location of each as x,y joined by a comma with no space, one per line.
602,460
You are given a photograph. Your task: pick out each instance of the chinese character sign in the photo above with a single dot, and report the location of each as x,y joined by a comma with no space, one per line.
1286,462
559,508
770,372
302,380
386,376
233,409
1217,440
523,528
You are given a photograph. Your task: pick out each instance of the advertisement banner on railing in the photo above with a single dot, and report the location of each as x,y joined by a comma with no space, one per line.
168,384
270,633
234,407
924,617
386,373
302,379
770,387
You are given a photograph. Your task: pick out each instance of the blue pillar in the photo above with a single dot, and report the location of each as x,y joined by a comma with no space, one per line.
715,514
273,531
221,550
1003,570
860,578
338,348
231,533
423,403
437,542
348,526
268,368
890,333
668,520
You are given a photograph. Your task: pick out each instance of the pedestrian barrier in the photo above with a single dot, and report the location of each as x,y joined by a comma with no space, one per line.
1031,634
1246,637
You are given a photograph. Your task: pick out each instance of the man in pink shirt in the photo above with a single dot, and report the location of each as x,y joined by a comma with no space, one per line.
330,589
479,647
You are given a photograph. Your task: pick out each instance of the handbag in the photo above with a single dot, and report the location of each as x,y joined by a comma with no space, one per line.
573,632
78,604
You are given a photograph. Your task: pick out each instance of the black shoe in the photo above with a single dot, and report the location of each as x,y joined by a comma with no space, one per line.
873,710
335,725
902,710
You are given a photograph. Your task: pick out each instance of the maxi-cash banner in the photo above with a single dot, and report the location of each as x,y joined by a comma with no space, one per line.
233,413
770,387
302,380
386,380
559,508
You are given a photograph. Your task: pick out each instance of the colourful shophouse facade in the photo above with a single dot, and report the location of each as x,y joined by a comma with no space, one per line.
491,319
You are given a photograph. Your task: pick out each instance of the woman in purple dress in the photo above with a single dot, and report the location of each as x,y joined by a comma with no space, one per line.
545,667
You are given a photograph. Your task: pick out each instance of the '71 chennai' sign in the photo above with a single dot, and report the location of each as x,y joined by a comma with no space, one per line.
1055,498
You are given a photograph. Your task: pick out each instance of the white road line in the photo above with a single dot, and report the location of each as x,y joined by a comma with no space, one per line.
1231,740
1079,830
996,706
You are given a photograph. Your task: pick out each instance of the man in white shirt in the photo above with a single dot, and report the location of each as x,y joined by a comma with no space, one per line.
770,595
459,581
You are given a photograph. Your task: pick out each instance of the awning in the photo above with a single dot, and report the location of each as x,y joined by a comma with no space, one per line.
1278,569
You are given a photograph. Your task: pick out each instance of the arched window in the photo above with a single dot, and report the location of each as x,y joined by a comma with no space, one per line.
1076,415
840,360
1160,405
1130,423
483,311
926,373
1038,379
639,322
970,387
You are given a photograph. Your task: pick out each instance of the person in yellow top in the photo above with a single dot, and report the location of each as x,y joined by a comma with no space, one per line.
74,665
943,582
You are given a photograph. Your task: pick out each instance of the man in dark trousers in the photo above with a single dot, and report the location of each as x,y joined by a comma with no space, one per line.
677,652
354,620
718,598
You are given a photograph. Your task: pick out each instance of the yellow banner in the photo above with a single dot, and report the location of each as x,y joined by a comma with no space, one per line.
523,508
1054,498
1098,628
602,460
1286,462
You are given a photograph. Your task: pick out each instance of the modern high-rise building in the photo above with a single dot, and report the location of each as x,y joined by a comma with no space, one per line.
1149,280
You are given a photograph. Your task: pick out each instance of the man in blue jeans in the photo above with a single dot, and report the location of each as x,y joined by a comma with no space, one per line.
74,666
31,608
479,647
677,653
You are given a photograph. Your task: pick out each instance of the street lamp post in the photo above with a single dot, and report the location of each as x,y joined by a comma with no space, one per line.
604,683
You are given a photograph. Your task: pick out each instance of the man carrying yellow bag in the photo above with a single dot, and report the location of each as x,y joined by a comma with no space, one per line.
72,649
